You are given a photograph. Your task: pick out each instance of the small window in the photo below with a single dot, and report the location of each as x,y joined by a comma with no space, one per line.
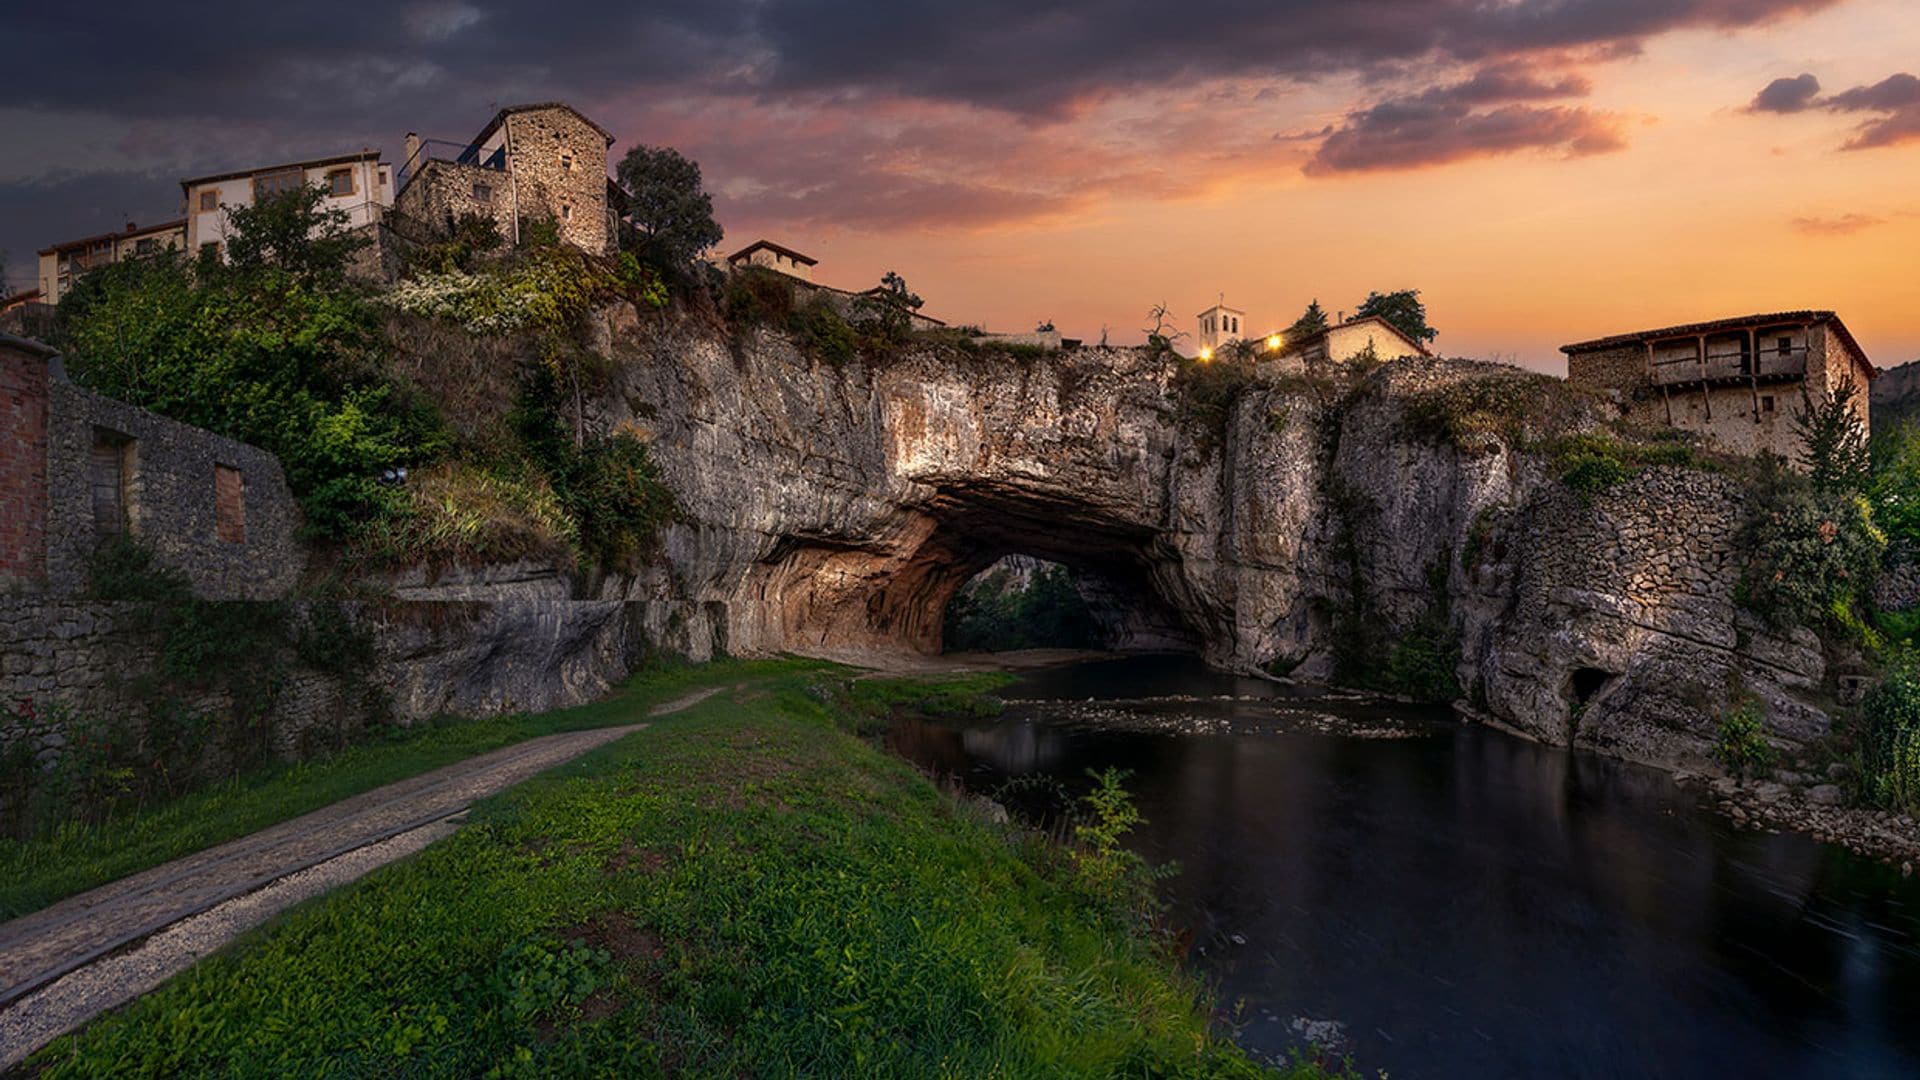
267,185
566,162
1766,403
229,505
483,193
1785,346
566,212
340,183
107,481
146,246
210,200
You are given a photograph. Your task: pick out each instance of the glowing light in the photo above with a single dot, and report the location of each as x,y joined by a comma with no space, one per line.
1206,354
1273,342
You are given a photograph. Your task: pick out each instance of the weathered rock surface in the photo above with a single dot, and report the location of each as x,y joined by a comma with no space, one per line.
834,510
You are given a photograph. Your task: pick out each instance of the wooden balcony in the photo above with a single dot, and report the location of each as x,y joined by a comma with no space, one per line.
1733,366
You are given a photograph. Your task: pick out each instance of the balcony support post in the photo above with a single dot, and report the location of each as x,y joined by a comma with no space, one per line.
1706,391
1753,369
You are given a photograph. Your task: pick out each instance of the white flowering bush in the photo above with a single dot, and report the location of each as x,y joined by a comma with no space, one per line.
544,291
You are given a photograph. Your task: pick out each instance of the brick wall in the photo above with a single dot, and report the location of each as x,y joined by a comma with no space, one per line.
23,465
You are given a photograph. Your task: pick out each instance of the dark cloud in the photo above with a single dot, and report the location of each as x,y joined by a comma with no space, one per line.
1896,98
323,76
1786,95
1490,114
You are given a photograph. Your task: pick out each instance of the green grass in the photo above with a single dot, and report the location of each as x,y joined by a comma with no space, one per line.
40,871
744,889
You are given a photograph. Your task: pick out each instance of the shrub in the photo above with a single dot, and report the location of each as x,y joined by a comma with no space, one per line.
460,512
1207,391
755,296
823,333
1813,556
1519,407
1116,879
544,288
1742,741
1895,484
1890,744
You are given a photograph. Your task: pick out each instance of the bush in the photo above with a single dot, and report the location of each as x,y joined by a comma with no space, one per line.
1207,391
255,354
1519,407
1116,879
1742,744
822,332
1895,484
1890,745
460,512
1813,556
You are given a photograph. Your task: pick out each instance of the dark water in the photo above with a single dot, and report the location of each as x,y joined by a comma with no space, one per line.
1466,903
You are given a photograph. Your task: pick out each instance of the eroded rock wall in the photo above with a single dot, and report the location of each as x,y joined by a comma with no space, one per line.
834,510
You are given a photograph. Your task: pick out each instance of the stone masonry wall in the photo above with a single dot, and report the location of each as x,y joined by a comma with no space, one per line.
169,495
443,192
559,167
23,467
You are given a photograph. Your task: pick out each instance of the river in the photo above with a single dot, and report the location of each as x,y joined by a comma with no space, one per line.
1463,902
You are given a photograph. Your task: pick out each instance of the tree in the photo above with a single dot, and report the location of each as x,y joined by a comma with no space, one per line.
290,231
887,311
670,216
1311,323
1832,445
1161,335
1403,310
1895,489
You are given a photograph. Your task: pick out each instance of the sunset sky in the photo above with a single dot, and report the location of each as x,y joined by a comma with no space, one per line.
1543,170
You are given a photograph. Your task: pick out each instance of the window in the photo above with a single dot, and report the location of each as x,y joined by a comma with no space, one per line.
267,185
566,161
340,183
482,193
229,505
146,246
1766,403
566,212
1785,345
210,200
107,481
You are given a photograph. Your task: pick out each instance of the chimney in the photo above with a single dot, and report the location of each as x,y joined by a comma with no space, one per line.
413,149
130,226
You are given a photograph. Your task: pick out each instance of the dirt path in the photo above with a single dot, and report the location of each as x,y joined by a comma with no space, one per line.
61,966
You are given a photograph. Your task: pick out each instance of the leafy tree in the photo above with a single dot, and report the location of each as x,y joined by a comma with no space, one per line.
1311,322
1890,747
1832,445
886,312
670,214
1895,485
290,231
1402,309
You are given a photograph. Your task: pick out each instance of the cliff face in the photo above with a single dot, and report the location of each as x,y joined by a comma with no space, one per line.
835,510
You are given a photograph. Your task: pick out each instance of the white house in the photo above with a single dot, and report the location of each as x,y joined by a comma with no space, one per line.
1369,335
358,184
772,256
62,264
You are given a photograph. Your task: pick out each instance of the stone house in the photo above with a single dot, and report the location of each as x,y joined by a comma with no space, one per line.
1738,381
78,468
357,184
62,264
529,162
1367,335
775,257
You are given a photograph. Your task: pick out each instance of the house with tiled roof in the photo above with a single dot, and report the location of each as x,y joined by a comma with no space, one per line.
1739,381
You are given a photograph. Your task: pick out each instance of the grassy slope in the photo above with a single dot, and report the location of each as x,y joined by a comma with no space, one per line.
752,891
38,872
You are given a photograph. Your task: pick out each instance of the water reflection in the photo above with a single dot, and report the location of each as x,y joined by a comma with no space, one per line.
1467,903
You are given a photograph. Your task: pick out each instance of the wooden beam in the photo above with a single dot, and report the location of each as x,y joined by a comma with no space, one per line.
1706,393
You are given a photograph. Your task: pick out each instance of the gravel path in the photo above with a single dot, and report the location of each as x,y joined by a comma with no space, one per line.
61,966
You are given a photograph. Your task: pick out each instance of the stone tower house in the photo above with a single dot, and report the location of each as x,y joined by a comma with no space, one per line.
530,162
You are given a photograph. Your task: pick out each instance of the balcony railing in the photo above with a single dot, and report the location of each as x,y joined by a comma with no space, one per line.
1730,365
457,153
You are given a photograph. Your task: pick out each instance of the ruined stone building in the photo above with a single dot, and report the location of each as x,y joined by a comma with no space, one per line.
77,468
1738,381
529,162
358,185
62,264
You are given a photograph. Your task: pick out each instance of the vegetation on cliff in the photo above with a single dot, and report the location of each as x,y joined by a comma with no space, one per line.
995,613
742,889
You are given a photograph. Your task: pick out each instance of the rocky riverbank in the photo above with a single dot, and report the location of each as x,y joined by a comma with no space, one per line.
1814,805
